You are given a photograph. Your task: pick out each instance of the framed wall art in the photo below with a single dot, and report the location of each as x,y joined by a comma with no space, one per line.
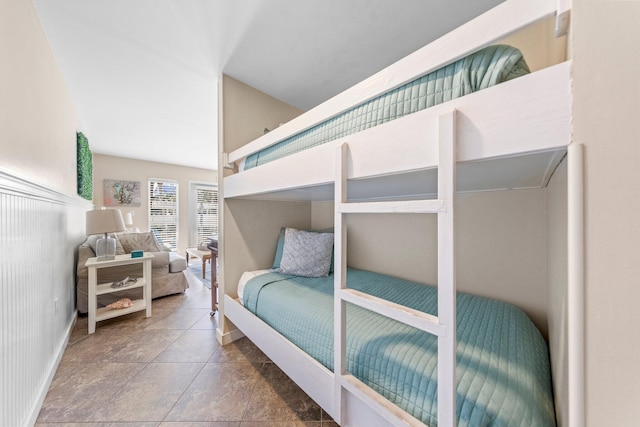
121,193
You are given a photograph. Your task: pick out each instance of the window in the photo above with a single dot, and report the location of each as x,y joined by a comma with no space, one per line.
163,211
203,221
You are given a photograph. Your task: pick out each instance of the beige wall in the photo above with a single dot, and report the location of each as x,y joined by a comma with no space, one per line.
539,45
249,226
606,89
247,112
37,116
111,167
500,245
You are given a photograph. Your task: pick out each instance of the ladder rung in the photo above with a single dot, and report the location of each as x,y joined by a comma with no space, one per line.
392,413
405,206
418,319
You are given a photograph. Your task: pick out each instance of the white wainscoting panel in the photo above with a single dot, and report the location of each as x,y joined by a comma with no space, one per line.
40,230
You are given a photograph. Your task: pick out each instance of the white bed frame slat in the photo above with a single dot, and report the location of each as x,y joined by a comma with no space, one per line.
563,16
411,206
390,412
316,380
415,318
495,24
526,115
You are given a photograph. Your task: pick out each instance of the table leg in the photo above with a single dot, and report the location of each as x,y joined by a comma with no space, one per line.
214,285
147,293
93,302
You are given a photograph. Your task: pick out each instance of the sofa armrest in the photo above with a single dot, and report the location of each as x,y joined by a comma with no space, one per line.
84,253
160,259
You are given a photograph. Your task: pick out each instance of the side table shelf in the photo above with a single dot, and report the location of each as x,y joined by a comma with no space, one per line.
97,314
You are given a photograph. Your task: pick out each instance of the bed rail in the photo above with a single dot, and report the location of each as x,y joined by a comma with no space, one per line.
443,326
468,38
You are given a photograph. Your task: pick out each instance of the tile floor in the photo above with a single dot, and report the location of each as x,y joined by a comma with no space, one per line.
168,370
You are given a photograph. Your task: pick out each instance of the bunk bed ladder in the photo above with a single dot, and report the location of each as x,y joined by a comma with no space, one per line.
443,326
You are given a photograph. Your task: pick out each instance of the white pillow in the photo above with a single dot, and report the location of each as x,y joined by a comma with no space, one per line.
306,253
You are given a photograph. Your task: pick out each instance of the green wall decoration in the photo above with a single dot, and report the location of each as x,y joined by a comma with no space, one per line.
85,167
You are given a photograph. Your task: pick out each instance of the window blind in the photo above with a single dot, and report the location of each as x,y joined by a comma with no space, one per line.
163,211
206,213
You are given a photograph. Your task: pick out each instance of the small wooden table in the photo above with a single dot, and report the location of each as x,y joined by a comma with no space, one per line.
204,256
97,314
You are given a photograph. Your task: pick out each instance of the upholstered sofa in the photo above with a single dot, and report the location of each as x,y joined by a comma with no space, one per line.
167,269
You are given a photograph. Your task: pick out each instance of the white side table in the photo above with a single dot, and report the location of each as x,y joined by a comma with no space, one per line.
97,314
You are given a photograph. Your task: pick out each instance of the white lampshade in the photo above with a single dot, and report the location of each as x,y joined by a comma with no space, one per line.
104,221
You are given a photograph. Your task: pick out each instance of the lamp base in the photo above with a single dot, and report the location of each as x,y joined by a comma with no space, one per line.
106,248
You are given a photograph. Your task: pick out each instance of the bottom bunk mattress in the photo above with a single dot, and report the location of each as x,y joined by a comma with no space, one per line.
503,373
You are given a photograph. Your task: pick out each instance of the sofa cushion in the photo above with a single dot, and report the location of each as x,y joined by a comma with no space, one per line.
139,241
176,263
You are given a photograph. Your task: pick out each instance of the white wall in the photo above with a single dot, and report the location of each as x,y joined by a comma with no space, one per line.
37,117
41,217
606,66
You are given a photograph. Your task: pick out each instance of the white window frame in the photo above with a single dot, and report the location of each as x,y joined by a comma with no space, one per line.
194,238
167,239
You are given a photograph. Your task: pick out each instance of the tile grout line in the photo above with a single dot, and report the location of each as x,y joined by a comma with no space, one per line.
164,418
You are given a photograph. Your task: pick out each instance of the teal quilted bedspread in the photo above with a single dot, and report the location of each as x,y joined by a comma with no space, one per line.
480,70
503,373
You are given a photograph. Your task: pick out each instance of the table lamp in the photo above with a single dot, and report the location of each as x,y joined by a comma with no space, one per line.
105,221
128,219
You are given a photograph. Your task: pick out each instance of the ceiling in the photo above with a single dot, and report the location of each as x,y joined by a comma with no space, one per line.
143,73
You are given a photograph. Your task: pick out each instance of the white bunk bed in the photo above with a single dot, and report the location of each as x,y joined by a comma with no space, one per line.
509,136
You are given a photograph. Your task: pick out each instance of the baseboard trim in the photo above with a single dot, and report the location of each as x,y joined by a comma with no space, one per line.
42,394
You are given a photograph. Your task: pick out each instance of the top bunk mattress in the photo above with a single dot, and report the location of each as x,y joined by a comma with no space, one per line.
503,372
482,69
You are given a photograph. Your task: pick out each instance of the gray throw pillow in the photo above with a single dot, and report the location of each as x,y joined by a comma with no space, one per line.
139,241
306,253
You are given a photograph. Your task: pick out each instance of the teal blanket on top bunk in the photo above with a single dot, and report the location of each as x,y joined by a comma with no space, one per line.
480,70
503,372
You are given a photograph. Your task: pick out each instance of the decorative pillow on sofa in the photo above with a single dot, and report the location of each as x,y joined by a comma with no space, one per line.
306,253
91,241
139,241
